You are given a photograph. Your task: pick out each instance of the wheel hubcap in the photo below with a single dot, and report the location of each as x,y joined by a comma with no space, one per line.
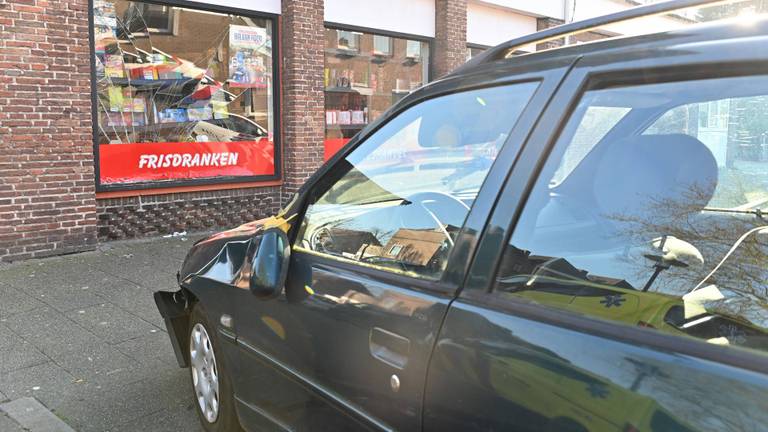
205,373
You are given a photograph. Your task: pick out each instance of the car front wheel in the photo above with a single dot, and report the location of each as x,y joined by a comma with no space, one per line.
210,381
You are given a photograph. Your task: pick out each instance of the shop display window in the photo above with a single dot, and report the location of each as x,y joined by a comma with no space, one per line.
364,75
182,95
474,51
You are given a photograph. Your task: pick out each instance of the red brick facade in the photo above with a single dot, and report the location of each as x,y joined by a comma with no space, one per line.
303,110
47,195
48,201
450,36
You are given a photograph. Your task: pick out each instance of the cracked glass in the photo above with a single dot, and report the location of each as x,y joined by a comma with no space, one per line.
182,94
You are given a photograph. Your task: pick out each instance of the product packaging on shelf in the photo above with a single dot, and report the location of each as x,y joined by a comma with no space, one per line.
173,115
113,66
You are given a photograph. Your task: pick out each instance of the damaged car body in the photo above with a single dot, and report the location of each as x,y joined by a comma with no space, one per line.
570,240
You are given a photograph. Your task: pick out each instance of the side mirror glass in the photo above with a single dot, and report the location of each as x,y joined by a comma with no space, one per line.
269,263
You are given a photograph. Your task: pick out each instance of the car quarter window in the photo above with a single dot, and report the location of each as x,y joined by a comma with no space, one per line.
397,201
660,220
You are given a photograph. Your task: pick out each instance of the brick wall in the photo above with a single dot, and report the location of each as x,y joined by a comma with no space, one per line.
142,216
47,203
545,23
303,110
450,36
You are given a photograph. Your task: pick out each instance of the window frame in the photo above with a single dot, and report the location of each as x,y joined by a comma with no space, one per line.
172,21
334,174
213,181
330,25
479,282
466,240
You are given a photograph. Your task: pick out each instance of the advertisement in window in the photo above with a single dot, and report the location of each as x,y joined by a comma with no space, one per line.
181,95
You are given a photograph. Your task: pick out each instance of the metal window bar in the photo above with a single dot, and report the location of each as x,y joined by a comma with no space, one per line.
504,49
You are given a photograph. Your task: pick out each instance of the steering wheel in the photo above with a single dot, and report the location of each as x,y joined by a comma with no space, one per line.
321,239
452,211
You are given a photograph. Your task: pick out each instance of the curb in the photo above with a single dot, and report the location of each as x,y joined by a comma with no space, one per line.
34,416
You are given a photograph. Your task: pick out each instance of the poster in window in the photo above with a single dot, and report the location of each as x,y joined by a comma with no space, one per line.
248,47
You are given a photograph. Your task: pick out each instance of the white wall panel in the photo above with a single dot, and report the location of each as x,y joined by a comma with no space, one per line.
541,8
488,25
594,8
269,6
404,16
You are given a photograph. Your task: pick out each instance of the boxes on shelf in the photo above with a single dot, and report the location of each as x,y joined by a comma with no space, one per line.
203,92
200,114
358,117
172,115
346,117
220,109
114,66
168,71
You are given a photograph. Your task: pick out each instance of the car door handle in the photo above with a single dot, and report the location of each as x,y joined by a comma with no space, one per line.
389,347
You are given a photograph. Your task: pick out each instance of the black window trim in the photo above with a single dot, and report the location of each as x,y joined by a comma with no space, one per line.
522,179
223,180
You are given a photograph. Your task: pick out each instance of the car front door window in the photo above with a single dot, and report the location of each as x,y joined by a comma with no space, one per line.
398,200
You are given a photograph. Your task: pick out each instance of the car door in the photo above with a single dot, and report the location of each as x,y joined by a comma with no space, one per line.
345,347
616,288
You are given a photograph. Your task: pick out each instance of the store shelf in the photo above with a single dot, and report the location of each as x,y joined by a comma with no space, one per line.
160,126
341,90
346,127
144,83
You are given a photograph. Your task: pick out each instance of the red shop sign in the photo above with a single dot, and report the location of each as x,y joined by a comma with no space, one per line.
332,146
138,162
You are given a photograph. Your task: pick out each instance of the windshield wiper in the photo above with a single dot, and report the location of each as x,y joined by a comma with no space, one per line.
404,201
760,213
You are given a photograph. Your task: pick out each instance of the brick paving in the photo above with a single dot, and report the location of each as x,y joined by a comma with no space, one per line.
81,334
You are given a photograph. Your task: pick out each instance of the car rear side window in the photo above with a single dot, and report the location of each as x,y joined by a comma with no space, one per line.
660,223
398,200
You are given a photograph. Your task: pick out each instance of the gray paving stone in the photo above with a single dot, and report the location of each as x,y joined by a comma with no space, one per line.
133,298
46,382
110,406
7,337
103,364
150,350
51,332
69,298
33,416
111,323
14,301
9,425
20,355
112,367
180,418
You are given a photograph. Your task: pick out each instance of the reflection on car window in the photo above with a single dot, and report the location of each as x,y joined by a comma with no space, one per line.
398,200
660,222
597,121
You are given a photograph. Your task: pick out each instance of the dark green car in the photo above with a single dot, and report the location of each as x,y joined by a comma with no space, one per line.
568,240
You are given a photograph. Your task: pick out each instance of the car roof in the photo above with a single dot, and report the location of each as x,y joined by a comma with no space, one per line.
647,45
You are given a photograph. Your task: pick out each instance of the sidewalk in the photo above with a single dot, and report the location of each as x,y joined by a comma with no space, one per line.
81,334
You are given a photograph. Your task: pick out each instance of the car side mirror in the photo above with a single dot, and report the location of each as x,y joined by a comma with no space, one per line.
269,263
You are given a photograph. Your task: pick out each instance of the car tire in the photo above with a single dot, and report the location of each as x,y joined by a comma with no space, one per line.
211,386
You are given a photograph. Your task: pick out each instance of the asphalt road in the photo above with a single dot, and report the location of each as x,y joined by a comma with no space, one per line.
81,334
